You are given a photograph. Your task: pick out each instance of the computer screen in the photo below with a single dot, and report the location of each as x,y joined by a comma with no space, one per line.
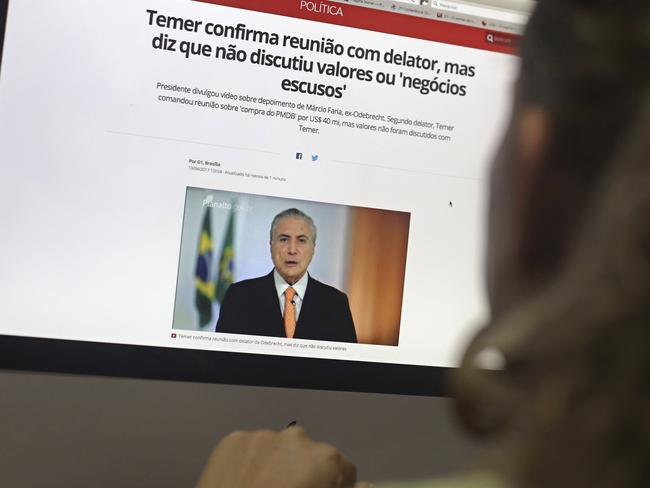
171,167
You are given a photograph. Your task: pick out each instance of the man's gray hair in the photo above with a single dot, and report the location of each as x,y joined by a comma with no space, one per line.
295,214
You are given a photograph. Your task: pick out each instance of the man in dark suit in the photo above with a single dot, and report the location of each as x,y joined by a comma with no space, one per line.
288,302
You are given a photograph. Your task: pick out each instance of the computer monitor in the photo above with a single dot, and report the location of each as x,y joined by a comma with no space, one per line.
170,168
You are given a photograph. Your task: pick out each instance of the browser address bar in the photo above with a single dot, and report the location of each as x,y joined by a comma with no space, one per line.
477,11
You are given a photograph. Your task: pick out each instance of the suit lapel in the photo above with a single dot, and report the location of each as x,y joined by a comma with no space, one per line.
272,306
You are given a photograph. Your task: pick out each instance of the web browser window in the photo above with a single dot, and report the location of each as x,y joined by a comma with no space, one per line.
147,147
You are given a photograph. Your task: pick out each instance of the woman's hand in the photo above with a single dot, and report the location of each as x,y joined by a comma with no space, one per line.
267,459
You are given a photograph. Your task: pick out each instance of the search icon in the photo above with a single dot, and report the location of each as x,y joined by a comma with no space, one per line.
489,38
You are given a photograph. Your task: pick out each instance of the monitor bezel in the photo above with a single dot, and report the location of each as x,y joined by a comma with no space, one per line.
201,366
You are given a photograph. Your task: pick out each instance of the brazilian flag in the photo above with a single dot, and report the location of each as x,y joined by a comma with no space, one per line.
226,263
202,279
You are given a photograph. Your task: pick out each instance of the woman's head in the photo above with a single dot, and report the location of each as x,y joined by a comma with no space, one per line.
584,73
570,249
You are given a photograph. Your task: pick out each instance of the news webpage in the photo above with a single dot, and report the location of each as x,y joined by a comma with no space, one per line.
148,145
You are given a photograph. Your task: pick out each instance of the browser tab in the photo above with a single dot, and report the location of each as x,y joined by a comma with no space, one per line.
454,12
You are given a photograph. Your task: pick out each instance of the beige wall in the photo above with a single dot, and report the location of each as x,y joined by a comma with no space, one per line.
72,431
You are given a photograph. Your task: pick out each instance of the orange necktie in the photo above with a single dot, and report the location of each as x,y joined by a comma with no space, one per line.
289,312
